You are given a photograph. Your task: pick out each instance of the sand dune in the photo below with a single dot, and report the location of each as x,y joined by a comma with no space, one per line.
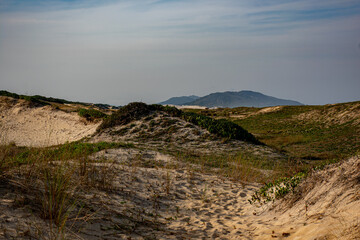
39,126
155,196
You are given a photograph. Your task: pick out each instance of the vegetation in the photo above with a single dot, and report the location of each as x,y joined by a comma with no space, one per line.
277,189
131,112
312,137
222,127
51,179
312,133
38,99
91,114
240,166
54,178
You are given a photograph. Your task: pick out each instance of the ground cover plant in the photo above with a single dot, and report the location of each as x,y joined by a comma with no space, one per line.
91,114
222,127
59,183
311,136
319,133
50,180
38,99
243,167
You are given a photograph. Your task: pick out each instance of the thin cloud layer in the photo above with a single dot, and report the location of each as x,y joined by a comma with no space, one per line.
121,51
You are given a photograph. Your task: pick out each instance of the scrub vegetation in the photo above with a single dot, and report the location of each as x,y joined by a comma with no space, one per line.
277,148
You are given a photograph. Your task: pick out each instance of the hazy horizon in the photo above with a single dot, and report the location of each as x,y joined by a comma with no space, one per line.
120,51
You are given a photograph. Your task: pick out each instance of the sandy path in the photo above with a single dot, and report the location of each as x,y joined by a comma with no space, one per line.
153,196
183,203
189,204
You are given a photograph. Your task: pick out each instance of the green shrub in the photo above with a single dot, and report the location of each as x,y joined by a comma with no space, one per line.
137,110
91,114
277,189
131,112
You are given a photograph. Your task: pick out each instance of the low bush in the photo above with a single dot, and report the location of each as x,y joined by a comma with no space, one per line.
91,114
137,110
277,189
126,114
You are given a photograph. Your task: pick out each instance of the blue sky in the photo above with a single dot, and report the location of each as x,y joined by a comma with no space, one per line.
146,50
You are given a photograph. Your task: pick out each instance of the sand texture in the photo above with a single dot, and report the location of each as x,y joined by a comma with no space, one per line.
144,192
39,126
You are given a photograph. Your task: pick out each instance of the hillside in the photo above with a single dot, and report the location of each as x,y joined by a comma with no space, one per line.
179,100
240,99
312,133
26,123
69,171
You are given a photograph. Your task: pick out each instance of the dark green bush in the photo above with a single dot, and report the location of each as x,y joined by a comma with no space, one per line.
91,114
131,112
221,127
137,110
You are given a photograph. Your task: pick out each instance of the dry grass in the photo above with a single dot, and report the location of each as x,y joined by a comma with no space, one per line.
50,181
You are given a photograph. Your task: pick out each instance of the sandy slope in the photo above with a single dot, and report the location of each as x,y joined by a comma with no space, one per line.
28,125
154,196
325,206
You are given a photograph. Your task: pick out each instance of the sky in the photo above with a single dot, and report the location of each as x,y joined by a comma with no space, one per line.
120,51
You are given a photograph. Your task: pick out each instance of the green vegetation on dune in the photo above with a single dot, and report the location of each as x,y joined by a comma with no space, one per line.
311,136
51,180
306,132
137,110
91,114
16,156
39,99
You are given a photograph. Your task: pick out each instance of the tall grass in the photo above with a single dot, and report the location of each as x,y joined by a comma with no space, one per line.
51,178
58,195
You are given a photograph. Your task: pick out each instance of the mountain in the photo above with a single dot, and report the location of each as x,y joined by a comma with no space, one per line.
180,100
240,99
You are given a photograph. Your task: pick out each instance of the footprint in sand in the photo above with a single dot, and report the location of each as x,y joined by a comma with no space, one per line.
209,214
220,222
217,211
209,226
242,194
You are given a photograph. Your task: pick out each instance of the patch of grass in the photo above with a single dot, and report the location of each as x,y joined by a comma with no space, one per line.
91,114
317,137
58,194
38,99
239,166
52,178
16,156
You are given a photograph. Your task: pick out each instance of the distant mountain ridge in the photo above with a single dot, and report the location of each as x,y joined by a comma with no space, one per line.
237,99
180,100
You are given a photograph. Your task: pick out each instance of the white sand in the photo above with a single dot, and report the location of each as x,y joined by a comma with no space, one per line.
39,126
155,196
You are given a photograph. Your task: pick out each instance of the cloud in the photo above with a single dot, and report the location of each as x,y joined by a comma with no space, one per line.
131,50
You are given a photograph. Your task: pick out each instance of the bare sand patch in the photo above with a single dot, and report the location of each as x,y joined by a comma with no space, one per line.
325,206
39,126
